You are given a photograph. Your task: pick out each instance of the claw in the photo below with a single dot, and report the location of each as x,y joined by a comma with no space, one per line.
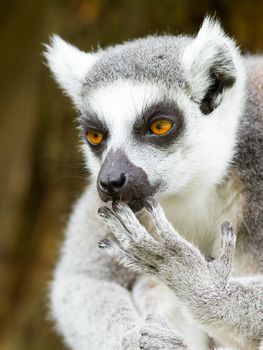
104,211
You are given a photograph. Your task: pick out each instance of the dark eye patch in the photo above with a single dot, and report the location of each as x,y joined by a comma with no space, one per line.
165,109
90,121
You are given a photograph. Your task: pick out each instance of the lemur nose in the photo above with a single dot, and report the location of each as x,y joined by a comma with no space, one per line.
112,184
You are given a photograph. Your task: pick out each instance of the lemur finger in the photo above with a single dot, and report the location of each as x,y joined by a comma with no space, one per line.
129,220
165,229
124,258
223,264
168,233
228,243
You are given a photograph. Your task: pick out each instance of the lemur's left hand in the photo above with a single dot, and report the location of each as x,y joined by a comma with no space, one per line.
172,259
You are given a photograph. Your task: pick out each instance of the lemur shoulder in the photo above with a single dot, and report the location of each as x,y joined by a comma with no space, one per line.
172,134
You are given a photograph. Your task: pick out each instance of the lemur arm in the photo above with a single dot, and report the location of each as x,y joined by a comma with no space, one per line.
91,314
229,310
237,314
89,296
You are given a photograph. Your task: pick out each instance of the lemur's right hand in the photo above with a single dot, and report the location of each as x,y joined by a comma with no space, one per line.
152,334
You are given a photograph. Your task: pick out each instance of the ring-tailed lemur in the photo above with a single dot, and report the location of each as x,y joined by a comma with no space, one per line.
179,119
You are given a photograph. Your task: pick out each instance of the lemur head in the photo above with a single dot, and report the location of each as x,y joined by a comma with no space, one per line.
158,115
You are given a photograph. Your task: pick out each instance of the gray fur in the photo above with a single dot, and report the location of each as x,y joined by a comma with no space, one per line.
147,59
248,164
153,334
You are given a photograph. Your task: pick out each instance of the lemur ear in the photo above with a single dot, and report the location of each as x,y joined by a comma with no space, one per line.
210,64
69,66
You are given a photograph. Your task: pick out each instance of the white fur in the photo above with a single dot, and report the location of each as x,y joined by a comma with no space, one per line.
69,66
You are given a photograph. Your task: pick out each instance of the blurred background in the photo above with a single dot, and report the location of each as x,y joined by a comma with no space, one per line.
41,168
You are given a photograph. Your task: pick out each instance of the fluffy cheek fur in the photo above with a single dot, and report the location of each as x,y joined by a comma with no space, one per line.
92,163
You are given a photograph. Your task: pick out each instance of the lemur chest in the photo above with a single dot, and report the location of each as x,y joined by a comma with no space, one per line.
199,219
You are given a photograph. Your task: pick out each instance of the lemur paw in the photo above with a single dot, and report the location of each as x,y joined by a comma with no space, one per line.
152,334
172,258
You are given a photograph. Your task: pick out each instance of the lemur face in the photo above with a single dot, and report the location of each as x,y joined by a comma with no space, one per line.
144,139
156,114
141,132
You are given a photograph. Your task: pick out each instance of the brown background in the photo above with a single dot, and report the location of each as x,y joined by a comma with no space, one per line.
41,170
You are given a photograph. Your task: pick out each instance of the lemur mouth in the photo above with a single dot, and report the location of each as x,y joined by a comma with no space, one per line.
135,205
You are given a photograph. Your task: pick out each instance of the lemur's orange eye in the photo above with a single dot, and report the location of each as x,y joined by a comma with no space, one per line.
94,137
161,127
